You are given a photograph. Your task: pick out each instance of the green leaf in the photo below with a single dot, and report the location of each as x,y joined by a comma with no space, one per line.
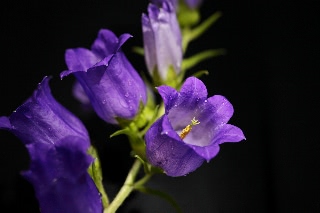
199,57
191,34
95,172
162,195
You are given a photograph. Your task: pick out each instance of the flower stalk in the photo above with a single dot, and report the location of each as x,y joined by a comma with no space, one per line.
126,189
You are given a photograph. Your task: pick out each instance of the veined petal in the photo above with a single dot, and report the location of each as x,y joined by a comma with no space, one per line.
213,114
187,106
207,152
107,43
59,176
228,133
149,44
169,96
44,120
80,59
5,123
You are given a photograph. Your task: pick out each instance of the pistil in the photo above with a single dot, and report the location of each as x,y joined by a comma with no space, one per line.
188,128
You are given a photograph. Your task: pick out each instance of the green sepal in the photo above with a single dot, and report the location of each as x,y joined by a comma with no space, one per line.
156,78
148,168
156,114
150,106
95,173
160,194
190,34
139,120
170,80
125,131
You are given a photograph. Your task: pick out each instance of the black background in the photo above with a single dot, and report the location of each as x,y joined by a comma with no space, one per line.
269,75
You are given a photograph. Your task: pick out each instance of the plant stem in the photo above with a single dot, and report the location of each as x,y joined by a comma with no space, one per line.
126,189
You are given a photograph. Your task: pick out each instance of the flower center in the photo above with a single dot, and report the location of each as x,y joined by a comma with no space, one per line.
188,128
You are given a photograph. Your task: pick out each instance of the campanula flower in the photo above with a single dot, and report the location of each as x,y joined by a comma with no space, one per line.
109,80
191,129
57,142
162,41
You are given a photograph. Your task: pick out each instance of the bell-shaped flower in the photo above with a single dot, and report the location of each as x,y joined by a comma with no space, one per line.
191,129
57,143
112,85
162,42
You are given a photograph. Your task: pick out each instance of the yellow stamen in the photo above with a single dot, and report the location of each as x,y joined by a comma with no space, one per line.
188,128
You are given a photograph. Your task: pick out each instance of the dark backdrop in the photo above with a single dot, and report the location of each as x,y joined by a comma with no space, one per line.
269,75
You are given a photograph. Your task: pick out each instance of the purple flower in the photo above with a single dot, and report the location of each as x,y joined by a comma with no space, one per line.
112,84
57,143
162,40
191,129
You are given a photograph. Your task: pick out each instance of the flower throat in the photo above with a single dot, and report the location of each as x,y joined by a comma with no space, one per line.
188,128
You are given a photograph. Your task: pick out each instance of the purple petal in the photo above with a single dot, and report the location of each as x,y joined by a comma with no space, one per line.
207,152
80,59
79,93
59,176
42,119
195,89
108,43
214,113
227,133
5,123
167,151
149,44
169,96
192,94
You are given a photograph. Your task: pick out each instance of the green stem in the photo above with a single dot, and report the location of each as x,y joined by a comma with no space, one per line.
126,189
142,181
